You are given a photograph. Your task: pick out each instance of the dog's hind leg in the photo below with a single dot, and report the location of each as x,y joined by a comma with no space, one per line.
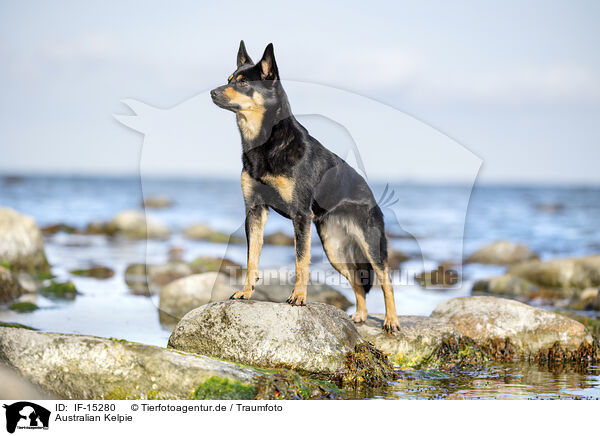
341,253
302,242
374,245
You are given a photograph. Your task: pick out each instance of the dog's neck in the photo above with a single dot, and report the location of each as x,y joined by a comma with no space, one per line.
259,126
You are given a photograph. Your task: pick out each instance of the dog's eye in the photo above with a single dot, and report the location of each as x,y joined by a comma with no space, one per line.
243,82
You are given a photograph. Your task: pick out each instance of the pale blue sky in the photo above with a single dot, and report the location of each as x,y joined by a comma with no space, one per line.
518,83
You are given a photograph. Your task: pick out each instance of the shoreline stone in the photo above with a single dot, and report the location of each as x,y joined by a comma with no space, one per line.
314,339
501,253
569,276
21,243
88,367
473,330
522,331
10,288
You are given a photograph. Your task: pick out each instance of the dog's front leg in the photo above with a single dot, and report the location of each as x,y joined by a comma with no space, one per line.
302,227
256,217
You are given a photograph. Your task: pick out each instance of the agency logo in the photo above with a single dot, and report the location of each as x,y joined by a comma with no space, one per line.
26,415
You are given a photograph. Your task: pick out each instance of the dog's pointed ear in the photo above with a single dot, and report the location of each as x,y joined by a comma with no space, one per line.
268,66
243,57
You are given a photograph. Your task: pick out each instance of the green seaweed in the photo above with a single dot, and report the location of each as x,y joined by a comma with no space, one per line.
217,388
60,290
23,307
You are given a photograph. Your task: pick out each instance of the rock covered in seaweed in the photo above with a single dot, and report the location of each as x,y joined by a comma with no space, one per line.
185,294
415,344
528,331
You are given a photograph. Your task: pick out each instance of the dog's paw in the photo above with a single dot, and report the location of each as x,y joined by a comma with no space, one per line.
391,324
241,295
359,317
297,298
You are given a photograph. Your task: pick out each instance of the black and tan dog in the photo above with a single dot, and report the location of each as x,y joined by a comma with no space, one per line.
289,171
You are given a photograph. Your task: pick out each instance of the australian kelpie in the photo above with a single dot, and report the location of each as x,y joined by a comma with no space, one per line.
289,171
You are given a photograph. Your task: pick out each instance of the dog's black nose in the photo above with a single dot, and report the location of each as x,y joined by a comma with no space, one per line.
213,93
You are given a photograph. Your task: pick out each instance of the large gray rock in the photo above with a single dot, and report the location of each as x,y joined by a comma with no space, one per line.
571,275
134,224
187,293
10,288
530,331
502,253
415,344
21,243
87,367
315,338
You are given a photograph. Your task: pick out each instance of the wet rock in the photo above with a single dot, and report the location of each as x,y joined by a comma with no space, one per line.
315,338
276,286
203,264
157,202
417,342
202,232
569,275
21,243
15,387
526,331
278,238
502,253
507,284
134,224
187,293
149,279
10,288
95,271
98,228
87,367
58,228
